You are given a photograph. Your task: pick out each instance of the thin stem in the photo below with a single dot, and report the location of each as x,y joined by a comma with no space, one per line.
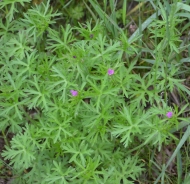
5,138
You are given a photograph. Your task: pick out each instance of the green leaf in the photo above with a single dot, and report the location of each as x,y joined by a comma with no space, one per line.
22,152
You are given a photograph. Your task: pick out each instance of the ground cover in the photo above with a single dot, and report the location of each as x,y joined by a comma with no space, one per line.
94,92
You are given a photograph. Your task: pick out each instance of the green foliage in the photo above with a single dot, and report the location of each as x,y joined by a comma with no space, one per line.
9,7
22,151
73,121
166,29
36,21
76,12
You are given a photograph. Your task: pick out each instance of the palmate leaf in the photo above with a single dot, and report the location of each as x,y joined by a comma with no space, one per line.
131,125
12,121
154,132
106,175
88,31
19,45
37,19
57,106
77,12
27,65
141,92
11,95
38,95
91,117
124,132
22,152
104,149
62,84
41,167
90,172
127,169
78,152
59,45
104,92
12,107
13,88
60,41
106,51
58,127
5,30
60,173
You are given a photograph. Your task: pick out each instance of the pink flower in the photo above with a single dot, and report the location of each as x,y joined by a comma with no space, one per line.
74,93
110,72
169,114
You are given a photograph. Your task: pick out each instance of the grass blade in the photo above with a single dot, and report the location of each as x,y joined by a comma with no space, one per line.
182,141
